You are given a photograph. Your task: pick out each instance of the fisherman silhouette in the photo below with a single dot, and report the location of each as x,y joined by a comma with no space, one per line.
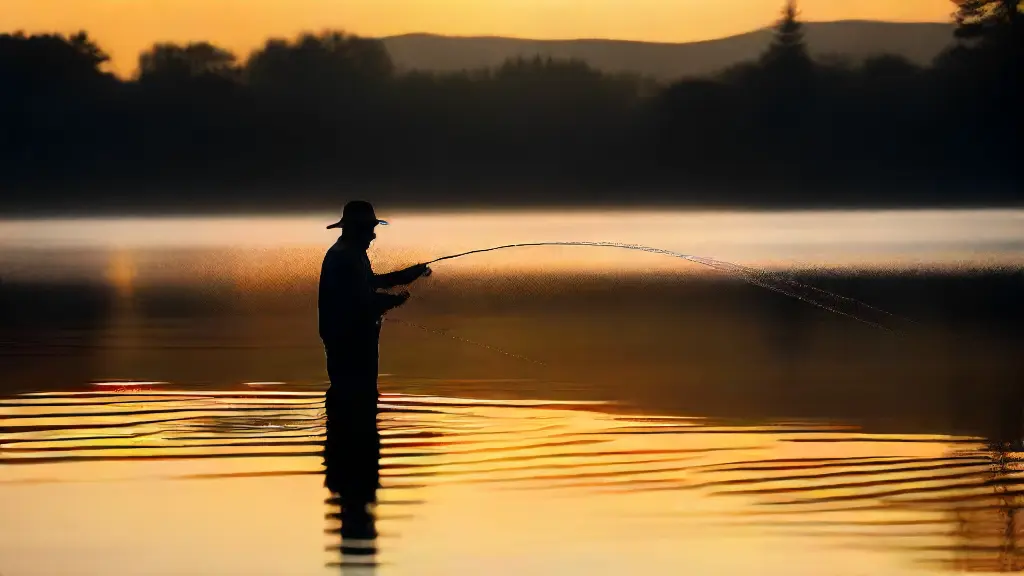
351,309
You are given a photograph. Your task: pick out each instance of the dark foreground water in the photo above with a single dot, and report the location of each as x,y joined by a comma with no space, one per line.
161,403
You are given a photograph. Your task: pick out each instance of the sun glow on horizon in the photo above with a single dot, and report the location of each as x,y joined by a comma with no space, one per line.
285,253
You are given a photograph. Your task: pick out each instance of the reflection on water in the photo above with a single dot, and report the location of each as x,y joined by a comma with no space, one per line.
467,483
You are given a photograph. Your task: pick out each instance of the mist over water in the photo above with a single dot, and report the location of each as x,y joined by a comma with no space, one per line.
290,248
162,387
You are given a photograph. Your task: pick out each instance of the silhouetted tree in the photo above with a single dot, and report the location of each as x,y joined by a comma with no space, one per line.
783,108
558,114
989,18
981,83
74,56
174,63
50,93
788,53
323,97
187,115
334,62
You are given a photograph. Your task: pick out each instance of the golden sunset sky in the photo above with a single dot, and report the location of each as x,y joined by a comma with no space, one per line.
126,27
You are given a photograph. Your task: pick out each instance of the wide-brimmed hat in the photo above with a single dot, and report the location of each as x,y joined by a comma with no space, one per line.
358,213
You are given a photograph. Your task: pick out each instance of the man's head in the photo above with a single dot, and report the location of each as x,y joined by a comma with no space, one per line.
358,222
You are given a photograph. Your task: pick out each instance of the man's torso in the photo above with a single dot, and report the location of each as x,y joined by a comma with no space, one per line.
342,308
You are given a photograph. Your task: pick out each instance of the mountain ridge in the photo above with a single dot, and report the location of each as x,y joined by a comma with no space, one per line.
919,42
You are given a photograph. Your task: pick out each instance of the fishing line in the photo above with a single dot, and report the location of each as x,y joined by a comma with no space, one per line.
447,334
755,276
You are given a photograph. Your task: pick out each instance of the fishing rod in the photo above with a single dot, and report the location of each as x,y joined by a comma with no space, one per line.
755,276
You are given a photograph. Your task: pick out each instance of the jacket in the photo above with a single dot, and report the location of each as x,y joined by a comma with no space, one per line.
350,308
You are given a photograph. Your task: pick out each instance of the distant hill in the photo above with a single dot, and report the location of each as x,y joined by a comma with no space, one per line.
919,42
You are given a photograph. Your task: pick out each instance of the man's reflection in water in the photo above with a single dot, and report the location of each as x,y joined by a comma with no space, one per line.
352,461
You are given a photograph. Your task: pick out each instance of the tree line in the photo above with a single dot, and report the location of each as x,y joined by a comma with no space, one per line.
322,111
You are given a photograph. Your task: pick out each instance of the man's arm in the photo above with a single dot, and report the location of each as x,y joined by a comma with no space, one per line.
399,278
358,292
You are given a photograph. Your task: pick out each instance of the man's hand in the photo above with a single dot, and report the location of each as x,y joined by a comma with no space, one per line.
387,301
402,298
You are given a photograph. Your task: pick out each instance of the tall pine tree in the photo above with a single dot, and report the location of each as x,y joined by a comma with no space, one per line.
788,50
786,100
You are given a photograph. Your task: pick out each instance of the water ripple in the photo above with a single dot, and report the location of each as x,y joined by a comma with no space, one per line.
964,495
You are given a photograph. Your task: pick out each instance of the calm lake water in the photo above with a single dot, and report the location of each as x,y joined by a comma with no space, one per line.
551,410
